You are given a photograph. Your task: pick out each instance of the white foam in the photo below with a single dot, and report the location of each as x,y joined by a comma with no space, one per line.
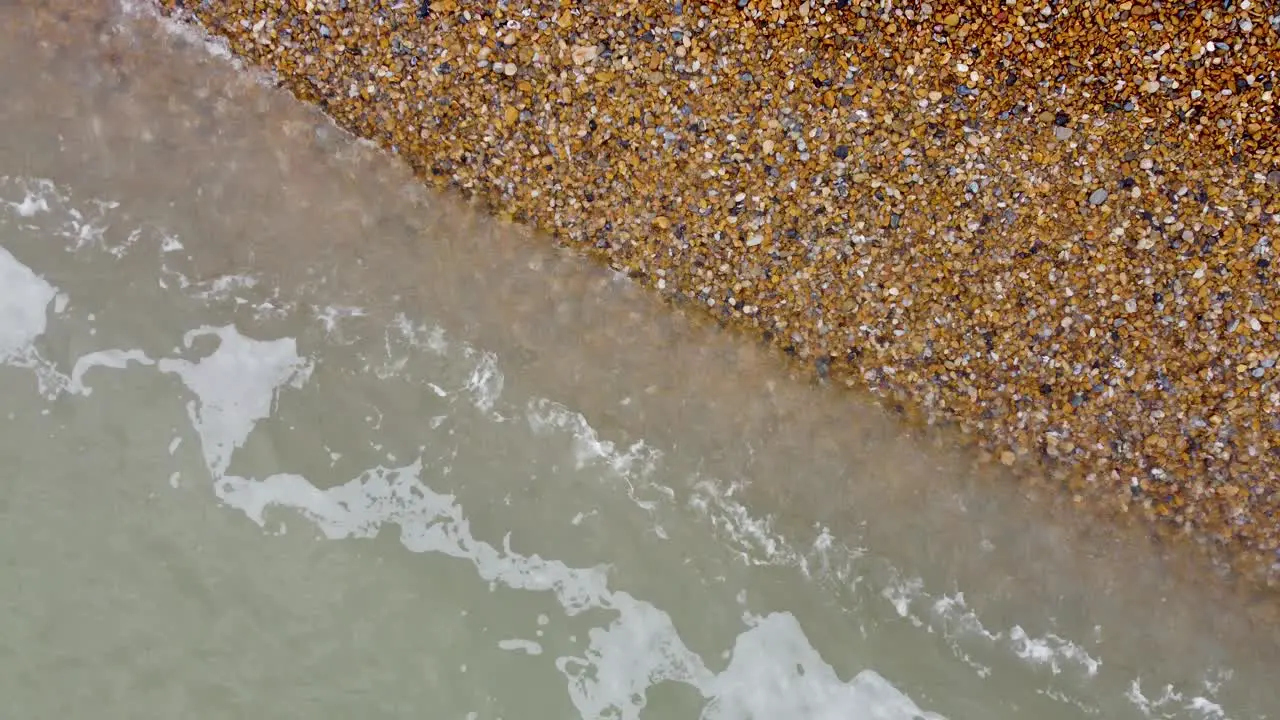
331,315
638,460
1051,650
774,671
1172,700
401,338
236,386
759,543
32,203
24,303
900,593
528,647
114,359
81,224
217,47
485,382
224,286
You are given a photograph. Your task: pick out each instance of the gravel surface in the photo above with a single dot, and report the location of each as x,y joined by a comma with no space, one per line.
1049,223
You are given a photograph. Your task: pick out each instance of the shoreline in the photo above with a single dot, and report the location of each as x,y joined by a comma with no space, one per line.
1042,259
293,228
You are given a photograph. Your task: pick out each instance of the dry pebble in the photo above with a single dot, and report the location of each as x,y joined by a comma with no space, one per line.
1052,224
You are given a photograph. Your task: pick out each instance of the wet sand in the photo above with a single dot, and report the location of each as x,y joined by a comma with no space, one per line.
1049,226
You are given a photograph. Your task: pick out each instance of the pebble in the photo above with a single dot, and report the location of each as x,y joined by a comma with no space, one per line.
1013,317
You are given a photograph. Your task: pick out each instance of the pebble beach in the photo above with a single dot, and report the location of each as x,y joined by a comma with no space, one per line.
1050,225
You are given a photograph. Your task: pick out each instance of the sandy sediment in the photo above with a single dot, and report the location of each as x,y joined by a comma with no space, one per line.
1049,223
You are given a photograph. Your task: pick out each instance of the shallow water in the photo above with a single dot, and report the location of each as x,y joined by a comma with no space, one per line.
284,434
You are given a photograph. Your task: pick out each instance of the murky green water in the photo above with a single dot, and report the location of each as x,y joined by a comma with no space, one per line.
281,435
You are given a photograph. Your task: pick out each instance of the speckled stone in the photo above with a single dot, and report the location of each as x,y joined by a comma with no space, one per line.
1049,224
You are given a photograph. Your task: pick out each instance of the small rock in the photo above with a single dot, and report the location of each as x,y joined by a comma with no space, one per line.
842,151
755,240
952,20
1097,197
1062,133
823,366
583,54
1007,457
1273,178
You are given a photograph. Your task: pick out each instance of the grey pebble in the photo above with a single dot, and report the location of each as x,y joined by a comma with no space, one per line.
1062,133
1097,197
